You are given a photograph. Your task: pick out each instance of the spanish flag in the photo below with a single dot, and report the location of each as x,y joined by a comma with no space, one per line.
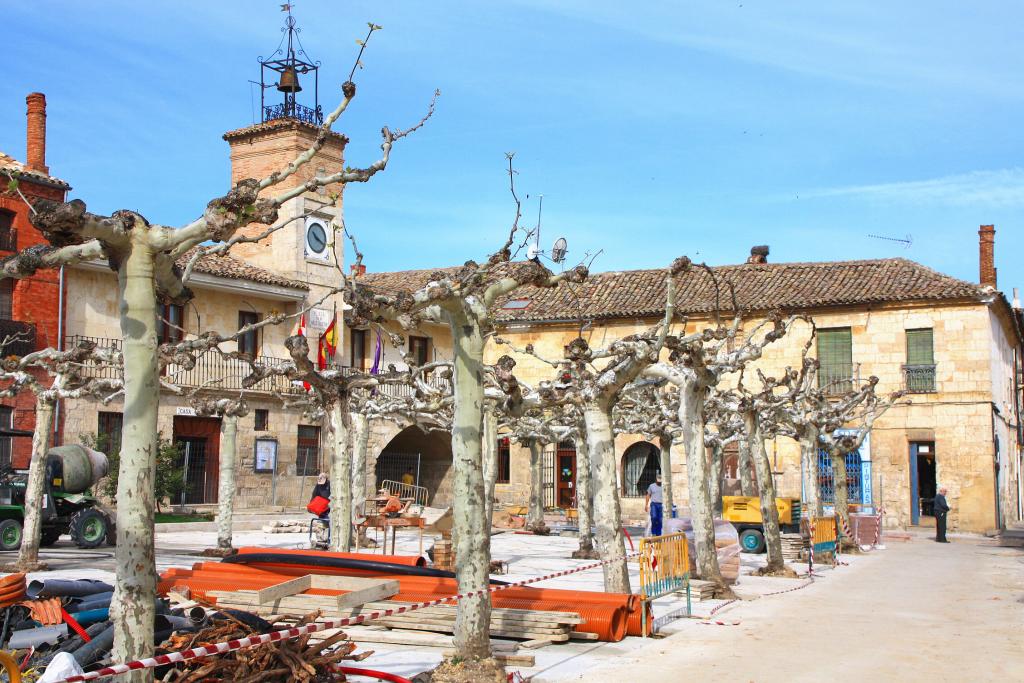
328,345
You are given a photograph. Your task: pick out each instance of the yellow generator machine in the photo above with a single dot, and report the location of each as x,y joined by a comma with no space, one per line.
745,514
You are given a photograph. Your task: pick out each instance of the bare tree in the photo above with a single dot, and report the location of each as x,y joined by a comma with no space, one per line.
144,257
229,410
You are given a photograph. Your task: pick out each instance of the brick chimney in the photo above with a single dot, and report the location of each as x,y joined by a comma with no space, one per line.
986,255
758,254
35,133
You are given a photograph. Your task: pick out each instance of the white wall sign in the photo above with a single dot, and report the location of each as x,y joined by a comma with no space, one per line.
266,455
319,318
185,410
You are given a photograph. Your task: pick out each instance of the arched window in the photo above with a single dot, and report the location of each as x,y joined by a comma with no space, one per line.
640,464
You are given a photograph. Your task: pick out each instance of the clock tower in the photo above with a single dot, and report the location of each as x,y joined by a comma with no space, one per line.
309,247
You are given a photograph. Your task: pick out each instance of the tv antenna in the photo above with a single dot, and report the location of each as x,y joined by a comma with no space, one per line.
905,241
534,252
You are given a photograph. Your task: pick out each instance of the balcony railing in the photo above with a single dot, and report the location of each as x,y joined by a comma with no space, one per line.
919,379
839,378
294,111
17,338
9,240
215,372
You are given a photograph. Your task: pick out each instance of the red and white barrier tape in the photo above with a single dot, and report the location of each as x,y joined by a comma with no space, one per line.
295,632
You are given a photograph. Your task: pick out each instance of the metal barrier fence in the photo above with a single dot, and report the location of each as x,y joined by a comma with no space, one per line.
418,494
823,535
664,569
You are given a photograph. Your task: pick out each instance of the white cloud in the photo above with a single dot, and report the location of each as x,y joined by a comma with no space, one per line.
1001,187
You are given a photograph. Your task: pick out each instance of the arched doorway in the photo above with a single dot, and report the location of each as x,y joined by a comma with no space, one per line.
640,464
427,456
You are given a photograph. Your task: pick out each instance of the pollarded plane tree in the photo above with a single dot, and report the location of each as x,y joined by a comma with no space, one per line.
463,301
144,255
697,363
722,428
228,410
70,374
649,409
595,381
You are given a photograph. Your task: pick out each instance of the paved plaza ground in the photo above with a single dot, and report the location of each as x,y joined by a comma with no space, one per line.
916,611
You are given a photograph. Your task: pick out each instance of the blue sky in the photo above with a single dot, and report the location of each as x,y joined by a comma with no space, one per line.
652,129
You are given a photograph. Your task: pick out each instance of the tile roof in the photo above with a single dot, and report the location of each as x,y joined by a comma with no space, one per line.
236,269
282,124
12,164
762,287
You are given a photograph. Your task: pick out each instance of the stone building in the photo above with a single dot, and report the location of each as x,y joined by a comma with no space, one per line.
954,346
29,308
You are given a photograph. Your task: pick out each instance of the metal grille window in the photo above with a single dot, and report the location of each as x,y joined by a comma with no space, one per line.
6,442
7,299
640,464
108,432
307,456
261,419
248,342
835,354
504,461
857,470
920,368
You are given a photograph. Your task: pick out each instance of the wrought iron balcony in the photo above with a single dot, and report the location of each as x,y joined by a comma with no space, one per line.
9,240
838,378
293,111
17,338
919,379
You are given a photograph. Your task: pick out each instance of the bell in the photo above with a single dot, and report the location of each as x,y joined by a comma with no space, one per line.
289,81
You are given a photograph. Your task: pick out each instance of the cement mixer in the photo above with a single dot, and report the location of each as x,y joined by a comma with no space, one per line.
68,505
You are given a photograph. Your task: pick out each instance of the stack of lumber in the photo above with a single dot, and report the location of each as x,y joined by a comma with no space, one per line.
701,590
793,548
444,553
505,623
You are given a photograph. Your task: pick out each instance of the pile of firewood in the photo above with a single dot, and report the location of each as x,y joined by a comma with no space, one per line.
296,659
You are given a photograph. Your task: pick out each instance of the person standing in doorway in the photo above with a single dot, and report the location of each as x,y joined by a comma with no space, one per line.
408,478
941,509
652,504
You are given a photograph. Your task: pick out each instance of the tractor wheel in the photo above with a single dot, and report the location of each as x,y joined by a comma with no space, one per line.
10,534
89,528
50,536
752,541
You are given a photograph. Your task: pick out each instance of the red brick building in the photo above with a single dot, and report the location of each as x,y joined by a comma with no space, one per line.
29,308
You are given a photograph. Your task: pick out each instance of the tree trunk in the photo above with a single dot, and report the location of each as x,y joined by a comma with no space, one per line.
812,491
665,444
360,441
228,460
607,511
31,534
584,500
470,534
842,494
341,479
535,513
746,469
766,488
715,479
490,464
132,609
691,420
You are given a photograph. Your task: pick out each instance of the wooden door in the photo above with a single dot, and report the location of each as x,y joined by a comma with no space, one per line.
565,475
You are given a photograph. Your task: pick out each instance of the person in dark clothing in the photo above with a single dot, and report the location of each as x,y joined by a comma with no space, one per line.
941,508
322,488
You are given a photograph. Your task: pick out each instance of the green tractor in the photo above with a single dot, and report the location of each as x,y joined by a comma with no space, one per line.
68,505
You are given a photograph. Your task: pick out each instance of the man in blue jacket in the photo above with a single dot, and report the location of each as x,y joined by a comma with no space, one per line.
941,508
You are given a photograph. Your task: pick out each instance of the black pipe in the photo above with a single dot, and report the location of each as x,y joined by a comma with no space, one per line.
66,588
98,601
343,563
95,648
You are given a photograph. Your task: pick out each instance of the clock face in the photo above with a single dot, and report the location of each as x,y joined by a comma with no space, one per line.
316,239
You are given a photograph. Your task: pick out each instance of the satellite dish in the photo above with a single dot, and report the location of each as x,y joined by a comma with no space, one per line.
559,250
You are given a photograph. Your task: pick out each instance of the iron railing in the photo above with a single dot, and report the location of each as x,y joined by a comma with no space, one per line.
294,111
214,371
839,378
9,240
919,379
17,338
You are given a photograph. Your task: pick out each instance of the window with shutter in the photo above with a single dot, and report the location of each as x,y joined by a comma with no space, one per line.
835,354
920,367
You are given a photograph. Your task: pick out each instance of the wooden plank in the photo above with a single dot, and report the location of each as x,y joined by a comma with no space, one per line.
505,660
415,638
537,643
449,628
379,590
583,635
284,589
